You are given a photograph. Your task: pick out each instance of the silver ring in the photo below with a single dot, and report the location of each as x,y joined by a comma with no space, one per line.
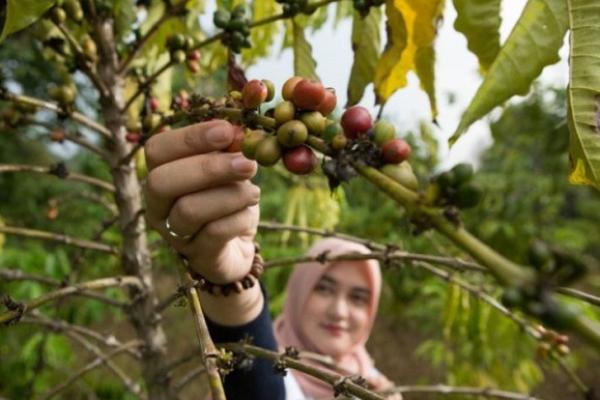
174,234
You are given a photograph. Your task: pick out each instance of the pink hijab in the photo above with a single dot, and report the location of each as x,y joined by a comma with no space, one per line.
301,283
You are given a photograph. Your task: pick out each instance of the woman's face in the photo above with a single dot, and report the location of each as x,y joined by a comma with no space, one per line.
336,314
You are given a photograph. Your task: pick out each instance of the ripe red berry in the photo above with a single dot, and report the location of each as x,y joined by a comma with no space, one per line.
356,121
133,137
194,55
154,104
254,93
287,91
329,102
395,151
308,94
57,136
238,136
193,66
300,160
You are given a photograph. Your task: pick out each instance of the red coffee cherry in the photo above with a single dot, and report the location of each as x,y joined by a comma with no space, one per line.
287,90
154,104
395,151
133,137
238,136
356,121
329,102
300,160
308,94
254,93
194,55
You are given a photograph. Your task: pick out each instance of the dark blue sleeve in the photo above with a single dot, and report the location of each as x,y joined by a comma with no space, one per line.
260,381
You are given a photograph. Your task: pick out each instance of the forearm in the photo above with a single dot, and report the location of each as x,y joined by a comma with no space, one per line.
235,309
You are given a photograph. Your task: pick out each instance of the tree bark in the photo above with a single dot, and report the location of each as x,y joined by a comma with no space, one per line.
135,257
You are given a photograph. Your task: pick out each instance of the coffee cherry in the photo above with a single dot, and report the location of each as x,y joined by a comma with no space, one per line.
383,131
356,121
468,195
287,90
329,102
193,66
268,151
57,136
461,173
403,174
270,89
134,125
178,56
254,93
251,140
238,136
284,112
308,94
512,297
221,18
133,137
395,151
193,55
176,42
315,122
300,160
292,133
64,94
73,10
154,104
89,48
151,122
58,15
331,130
339,142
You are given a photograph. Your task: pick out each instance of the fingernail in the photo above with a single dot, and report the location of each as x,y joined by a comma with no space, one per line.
242,165
220,134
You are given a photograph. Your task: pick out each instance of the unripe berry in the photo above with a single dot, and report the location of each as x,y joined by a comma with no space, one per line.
468,195
268,151
395,151
284,112
251,140
221,18
300,160
339,142
134,125
461,173
403,174
292,133
270,89
356,121
254,93
178,56
58,15
308,94
238,136
287,90
329,102
176,42
89,48
383,132
331,130
315,122
151,122
73,10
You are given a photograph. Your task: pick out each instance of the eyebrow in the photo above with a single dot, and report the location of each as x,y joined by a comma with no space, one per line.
355,289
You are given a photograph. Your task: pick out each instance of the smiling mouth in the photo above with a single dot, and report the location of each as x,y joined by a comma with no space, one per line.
333,329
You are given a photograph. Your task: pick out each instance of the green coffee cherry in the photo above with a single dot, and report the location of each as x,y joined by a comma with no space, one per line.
292,133
383,132
462,173
58,15
315,122
468,195
331,130
339,142
284,112
178,56
221,18
403,174
268,151
250,142
73,10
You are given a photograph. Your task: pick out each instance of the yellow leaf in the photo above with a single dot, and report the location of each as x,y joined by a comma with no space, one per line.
412,28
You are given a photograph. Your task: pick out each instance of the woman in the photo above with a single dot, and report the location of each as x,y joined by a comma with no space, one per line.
201,200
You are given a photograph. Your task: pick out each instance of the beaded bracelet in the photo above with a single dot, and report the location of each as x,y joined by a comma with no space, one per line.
225,289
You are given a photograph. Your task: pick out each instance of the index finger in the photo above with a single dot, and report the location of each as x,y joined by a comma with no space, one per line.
203,137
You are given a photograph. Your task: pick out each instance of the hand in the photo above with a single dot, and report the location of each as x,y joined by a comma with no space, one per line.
381,383
204,192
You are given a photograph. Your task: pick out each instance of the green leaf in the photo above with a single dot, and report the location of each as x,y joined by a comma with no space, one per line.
304,63
479,21
533,44
584,92
22,13
366,41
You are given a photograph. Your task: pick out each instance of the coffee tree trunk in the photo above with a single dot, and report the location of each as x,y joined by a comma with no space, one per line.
135,255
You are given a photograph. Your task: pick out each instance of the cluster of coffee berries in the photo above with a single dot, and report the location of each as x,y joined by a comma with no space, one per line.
63,94
363,6
182,50
455,188
551,341
539,303
294,7
64,9
555,266
236,26
13,115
